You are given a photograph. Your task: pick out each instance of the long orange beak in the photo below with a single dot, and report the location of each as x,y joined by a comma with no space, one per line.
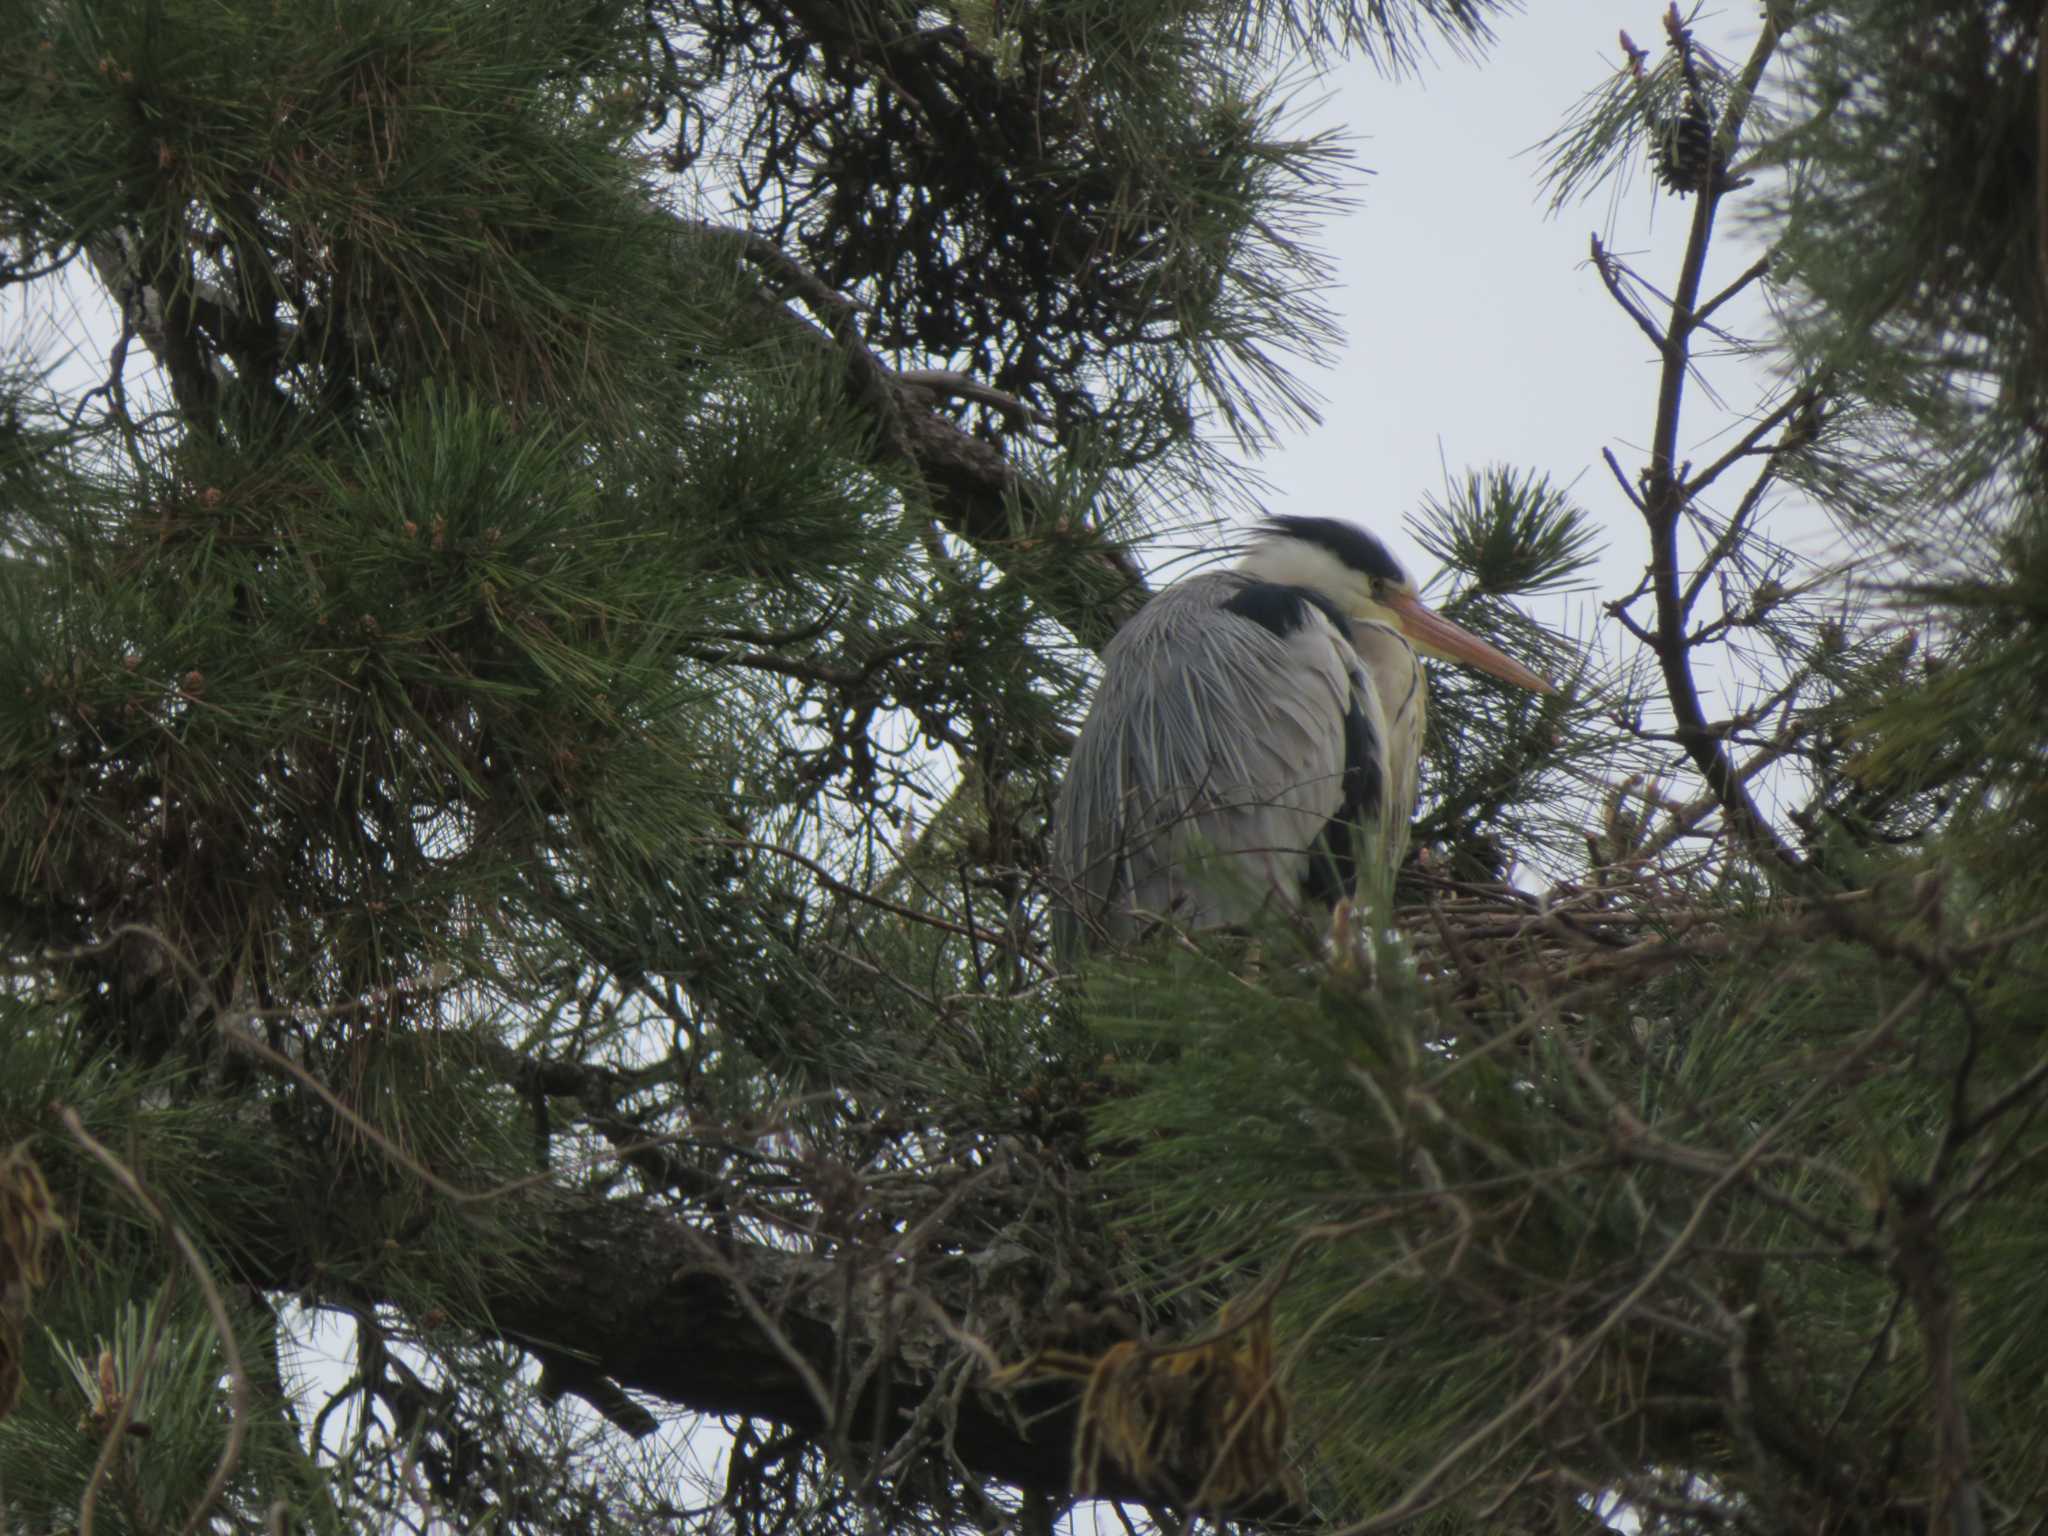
1434,635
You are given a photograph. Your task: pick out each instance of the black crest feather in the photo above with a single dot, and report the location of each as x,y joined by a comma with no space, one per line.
1347,541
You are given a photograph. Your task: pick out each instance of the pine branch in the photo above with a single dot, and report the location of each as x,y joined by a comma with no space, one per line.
949,382
641,1301
1010,518
144,295
1756,270
1610,272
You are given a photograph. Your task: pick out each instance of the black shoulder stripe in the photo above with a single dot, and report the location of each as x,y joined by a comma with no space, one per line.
1333,863
1283,609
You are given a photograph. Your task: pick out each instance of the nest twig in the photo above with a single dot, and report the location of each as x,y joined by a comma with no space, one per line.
1625,919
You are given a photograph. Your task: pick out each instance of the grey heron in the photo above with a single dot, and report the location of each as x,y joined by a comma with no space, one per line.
1251,727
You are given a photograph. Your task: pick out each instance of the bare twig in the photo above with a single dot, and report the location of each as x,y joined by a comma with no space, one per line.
801,668
839,887
1746,446
1756,270
1610,273
771,639
946,381
1621,479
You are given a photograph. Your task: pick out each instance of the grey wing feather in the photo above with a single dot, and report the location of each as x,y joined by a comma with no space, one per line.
1213,757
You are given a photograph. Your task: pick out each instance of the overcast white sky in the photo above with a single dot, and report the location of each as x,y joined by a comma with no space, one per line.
1475,328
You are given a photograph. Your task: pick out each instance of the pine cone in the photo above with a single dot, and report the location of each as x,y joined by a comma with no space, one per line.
1682,148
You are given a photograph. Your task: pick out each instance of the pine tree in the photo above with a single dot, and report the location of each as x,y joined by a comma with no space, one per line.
533,683
533,678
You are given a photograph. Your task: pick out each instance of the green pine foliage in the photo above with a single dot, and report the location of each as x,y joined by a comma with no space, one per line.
1913,215
1507,1214
1696,1193
1499,762
1917,268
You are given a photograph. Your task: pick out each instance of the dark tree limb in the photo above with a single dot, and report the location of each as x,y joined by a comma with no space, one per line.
1084,580
616,1298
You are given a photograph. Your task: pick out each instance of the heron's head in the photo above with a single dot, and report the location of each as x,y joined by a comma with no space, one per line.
1358,573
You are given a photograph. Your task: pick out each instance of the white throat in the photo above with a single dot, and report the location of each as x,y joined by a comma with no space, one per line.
1293,563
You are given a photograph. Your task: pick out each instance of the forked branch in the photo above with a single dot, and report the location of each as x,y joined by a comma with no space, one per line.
1667,488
